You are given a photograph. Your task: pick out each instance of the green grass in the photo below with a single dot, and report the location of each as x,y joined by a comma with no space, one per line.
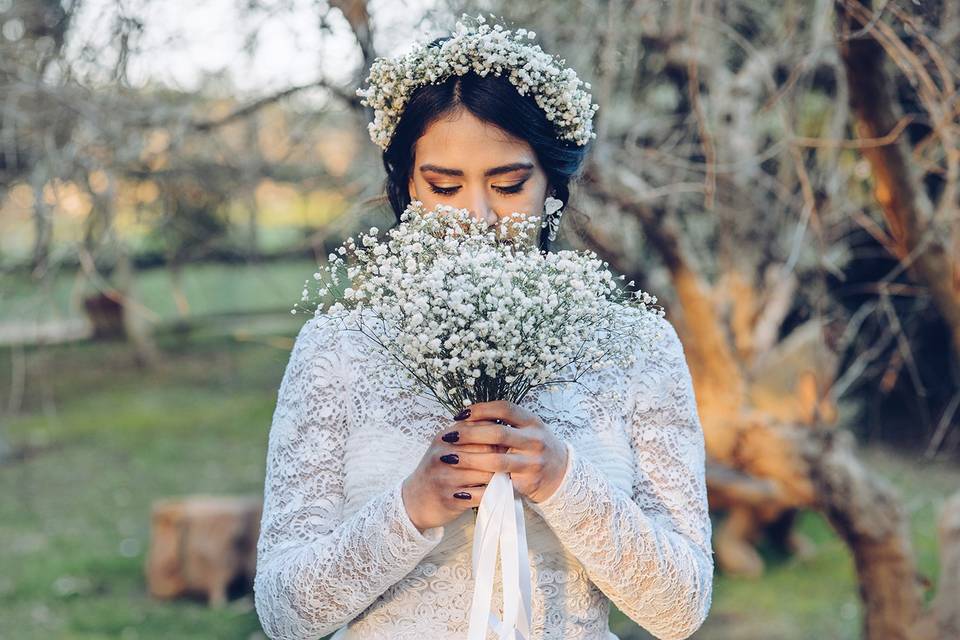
209,289
75,513
101,438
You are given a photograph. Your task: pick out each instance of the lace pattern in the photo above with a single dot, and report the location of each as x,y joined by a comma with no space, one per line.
628,524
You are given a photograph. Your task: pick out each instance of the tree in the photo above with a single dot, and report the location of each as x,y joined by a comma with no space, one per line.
724,143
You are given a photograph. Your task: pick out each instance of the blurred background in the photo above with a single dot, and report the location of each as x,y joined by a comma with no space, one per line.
784,176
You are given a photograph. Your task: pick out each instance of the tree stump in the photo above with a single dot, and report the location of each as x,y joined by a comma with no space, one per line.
203,546
106,316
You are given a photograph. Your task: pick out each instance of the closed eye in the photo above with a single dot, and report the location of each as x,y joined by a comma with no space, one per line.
445,191
513,188
508,190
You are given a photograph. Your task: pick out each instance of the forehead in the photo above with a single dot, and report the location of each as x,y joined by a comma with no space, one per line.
463,141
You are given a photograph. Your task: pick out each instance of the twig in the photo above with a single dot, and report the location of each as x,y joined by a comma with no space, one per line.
857,143
693,88
256,105
942,427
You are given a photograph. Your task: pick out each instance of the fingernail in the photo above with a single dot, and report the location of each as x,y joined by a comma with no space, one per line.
453,436
463,495
463,415
450,458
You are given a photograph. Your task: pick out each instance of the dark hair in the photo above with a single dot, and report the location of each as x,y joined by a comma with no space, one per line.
490,98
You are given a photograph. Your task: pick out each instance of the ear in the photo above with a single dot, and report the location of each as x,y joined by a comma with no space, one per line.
411,189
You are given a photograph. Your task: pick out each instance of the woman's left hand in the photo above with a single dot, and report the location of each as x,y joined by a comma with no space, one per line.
535,458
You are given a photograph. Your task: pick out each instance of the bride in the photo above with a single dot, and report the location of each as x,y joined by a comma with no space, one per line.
368,524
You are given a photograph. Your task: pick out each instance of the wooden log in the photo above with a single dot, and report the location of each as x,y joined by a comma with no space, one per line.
203,546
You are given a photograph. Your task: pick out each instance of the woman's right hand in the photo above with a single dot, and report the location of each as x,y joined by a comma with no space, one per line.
430,491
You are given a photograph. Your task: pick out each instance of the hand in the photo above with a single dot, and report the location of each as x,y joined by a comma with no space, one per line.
437,492
535,458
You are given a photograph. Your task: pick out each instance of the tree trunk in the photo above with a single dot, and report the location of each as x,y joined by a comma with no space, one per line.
868,514
763,468
42,230
905,205
945,616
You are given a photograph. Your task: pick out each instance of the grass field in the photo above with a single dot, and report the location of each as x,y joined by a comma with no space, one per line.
97,439
209,289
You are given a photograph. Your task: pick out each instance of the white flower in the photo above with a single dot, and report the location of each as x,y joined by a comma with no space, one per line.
482,316
484,50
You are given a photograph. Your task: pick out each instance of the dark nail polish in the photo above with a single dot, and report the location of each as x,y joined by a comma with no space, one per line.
463,415
453,436
463,495
450,458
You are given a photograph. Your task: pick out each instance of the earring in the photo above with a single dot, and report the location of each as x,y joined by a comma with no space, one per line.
551,215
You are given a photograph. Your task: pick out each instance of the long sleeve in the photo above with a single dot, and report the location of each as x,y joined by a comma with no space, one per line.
649,552
316,569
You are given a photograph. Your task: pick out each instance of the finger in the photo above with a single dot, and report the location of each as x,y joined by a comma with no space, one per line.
466,497
451,437
505,410
495,462
452,440
490,433
477,448
457,424
456,477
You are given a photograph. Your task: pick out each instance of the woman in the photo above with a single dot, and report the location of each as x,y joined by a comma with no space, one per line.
368,521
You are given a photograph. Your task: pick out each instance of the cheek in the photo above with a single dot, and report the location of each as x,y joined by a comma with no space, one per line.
528,203
530,200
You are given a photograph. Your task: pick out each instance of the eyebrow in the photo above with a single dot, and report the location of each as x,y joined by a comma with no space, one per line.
507,168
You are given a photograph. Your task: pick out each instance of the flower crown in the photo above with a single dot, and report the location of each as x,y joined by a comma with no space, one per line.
483,49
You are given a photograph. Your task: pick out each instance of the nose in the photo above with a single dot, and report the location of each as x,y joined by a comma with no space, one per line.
480,208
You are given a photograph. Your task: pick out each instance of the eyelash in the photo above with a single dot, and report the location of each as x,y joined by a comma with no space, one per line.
511,190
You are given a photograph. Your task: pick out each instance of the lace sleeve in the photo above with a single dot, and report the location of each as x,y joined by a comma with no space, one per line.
316,569
649,552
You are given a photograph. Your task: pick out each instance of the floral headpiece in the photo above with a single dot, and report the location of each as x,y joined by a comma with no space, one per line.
483,49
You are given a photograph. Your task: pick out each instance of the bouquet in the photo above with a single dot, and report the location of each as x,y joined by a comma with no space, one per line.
475,314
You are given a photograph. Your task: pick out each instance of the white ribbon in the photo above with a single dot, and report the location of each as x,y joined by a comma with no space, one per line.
500,523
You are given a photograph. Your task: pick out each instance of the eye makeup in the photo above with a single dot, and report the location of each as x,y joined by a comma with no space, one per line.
508,190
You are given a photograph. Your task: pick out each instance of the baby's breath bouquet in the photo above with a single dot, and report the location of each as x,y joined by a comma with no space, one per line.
477,313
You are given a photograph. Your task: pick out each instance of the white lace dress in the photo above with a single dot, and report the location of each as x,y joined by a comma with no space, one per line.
628,523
